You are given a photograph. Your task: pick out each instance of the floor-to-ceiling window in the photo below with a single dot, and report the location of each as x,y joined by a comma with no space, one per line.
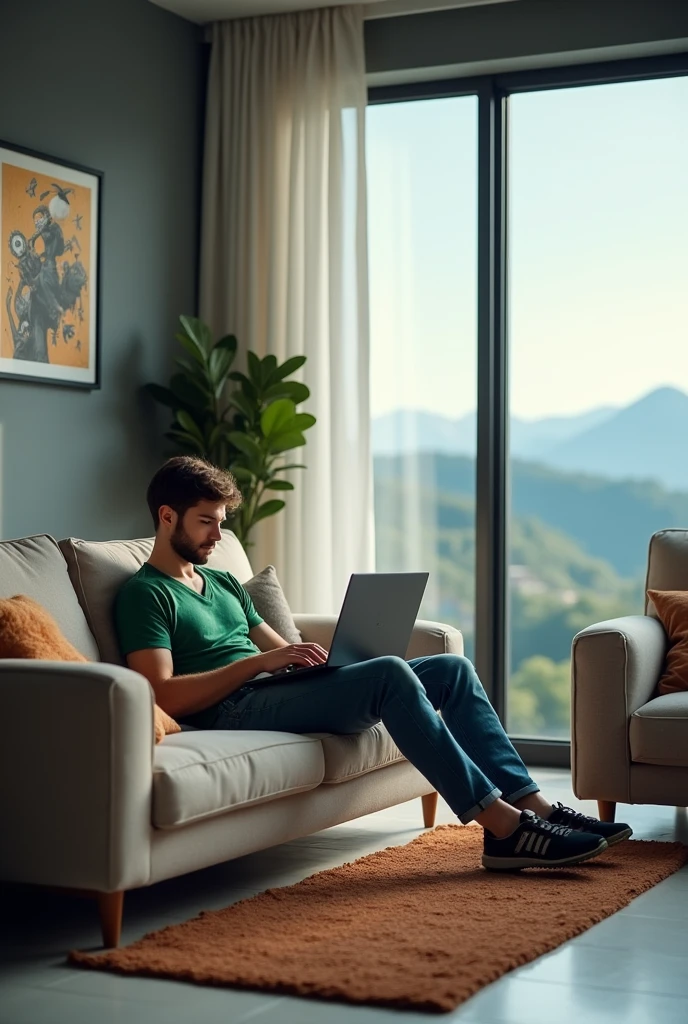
422,201
583,256
598,367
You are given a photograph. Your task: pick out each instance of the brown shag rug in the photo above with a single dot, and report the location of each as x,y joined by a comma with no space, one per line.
421,926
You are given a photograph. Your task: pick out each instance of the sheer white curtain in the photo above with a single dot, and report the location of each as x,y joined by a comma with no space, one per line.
284,267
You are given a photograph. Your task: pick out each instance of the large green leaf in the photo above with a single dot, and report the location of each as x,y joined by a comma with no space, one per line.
250,390
289,366
219,364
228,343
187,440
183,441
285,442
187,366
189,391
189,425
254,369
161,394
277,391
268,508
279,485
304,420
243,474
243,404
292,465
198,332
216,435
295,390
192,348
277,417
198,372
245,444
268,368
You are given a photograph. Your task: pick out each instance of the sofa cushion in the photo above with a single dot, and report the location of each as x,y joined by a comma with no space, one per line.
200,774
659,731
163,724
28,630
349,755
269,601
35,566
672,608
98,569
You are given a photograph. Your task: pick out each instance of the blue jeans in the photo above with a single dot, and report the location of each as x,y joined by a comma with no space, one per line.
465,754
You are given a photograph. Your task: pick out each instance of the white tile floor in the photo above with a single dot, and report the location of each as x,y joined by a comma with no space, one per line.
633,967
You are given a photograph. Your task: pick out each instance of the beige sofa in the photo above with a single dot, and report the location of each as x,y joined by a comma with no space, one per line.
628,744
89,802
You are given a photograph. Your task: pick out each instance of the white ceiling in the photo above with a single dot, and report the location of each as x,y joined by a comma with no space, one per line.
203,11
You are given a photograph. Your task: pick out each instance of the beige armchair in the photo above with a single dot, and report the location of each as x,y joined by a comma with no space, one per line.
629,745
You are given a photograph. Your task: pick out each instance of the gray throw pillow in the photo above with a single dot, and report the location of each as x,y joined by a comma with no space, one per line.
271,604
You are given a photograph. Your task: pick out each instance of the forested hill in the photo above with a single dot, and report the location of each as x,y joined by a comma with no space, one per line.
610,519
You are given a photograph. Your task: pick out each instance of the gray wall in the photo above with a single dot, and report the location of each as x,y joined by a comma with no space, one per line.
540,29
117,85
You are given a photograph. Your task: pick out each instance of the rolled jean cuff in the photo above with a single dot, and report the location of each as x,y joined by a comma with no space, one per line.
523,791
480,806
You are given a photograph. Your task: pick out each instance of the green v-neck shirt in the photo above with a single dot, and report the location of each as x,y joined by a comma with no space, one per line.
203,631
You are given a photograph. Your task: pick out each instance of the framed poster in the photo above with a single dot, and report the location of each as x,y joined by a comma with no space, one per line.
49,269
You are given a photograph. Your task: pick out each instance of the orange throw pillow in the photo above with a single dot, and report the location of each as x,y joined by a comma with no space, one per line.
672,608
163,724
27,630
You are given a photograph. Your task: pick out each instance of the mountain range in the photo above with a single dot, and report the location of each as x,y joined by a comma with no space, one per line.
645,440
609,519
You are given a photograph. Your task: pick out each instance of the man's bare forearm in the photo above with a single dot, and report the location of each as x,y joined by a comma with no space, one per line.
184,695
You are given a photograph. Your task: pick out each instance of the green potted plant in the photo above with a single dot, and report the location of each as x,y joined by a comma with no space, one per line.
248,430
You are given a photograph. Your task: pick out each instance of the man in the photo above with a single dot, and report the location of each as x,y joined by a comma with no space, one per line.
47,283
195,634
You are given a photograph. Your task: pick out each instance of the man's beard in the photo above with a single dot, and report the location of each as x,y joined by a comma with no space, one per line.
181,544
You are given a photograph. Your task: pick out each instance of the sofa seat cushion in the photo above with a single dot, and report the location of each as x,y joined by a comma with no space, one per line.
659,731
349,755
208,772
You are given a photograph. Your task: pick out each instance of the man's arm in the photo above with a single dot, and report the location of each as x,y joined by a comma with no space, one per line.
184,695
266,638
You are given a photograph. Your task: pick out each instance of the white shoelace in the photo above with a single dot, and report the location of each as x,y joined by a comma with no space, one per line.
542,824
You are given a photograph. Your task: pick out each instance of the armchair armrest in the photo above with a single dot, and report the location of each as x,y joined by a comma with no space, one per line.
616,666
427,637
76,774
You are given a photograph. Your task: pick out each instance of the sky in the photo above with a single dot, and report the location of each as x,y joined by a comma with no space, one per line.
598,249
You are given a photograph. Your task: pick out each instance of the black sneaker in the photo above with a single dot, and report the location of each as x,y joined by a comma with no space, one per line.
612,831
537,843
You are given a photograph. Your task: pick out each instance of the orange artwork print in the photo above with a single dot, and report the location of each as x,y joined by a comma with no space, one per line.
46,270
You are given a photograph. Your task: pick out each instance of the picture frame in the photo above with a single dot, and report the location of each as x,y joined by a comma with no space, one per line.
50,244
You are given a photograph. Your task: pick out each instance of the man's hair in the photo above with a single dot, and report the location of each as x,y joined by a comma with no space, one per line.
186,480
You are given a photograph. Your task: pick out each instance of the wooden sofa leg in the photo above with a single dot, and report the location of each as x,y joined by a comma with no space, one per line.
110,906
429,809
607,810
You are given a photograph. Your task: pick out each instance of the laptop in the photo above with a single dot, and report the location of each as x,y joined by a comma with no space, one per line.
376,619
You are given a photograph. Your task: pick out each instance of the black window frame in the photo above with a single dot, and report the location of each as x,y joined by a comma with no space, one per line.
492,631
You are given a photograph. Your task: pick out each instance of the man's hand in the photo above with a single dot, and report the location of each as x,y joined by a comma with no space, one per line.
303,655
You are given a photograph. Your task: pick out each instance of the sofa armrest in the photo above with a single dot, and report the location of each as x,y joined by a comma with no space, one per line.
616,666
434,638
427,637
76,774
